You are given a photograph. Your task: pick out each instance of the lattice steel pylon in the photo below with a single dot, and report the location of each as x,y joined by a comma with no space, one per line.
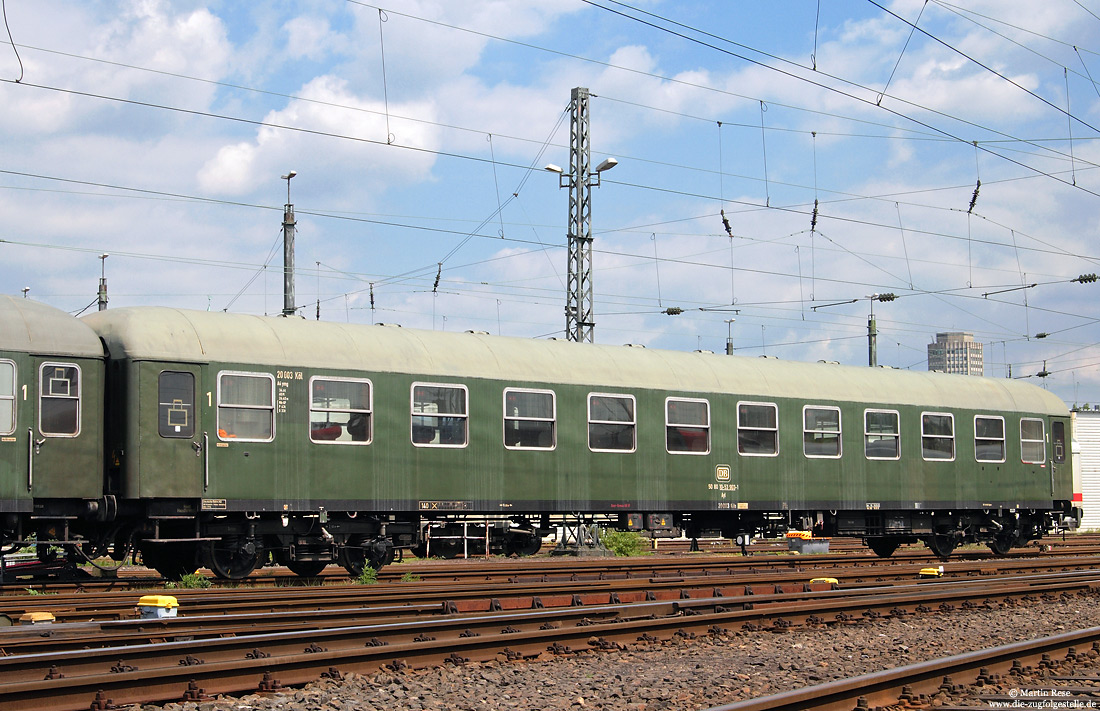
579,316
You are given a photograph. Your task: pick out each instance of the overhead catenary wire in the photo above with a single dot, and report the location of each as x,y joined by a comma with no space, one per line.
987,68
334,135
7,27
904,47
498,214
791,74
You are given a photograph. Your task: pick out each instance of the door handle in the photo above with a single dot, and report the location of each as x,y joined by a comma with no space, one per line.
197,446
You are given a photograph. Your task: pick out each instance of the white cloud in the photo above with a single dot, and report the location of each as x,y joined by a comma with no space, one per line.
346,135
308,37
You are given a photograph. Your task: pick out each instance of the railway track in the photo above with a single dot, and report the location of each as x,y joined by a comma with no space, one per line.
79,665
469,585
1060,671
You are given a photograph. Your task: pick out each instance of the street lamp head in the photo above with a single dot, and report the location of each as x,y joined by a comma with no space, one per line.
289,175
553,168
606,164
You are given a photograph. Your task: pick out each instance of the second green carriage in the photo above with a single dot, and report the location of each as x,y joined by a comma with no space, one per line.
236,437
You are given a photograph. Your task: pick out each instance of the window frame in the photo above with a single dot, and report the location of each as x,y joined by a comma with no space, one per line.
896,434
465,416
220,404
1003,440
519,418
1042,442
954,447
11,397
839,432
369,411
705,427
775,409
633,423
79,398
161,403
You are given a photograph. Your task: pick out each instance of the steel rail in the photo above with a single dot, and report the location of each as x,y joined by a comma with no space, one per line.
907,683
179,670
106,634
480,595
474,594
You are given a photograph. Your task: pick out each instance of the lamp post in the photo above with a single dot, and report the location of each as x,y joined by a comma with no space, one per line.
729,336
579,323
288,249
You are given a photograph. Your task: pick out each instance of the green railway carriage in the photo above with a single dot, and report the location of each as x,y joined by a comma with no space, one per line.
237,436
51,412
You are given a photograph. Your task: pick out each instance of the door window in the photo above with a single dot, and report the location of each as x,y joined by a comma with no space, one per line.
176,408
59,400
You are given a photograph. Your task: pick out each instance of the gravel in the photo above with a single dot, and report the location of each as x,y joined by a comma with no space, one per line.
681,674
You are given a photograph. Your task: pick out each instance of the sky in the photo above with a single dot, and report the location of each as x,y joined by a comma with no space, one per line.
941,152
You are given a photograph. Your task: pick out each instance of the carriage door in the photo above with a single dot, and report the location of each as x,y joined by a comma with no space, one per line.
58,455
181,456
13,442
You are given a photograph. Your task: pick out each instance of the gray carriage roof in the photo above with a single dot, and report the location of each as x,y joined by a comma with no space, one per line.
31,327
155,333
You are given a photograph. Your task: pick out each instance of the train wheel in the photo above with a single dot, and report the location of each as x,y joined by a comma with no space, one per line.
1002,544
523,544
883,547
306,568
359,552
233,557
941,544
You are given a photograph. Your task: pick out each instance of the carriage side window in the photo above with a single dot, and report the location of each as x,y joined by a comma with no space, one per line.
529,417
611,423
1032,441
757,429
246,407
340,410
821,431
59,400
687,426
881,434
176,404
439,415
7,397
1058,435
989,438
937,435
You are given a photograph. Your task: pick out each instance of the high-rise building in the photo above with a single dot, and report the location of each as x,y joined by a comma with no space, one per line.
956,352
